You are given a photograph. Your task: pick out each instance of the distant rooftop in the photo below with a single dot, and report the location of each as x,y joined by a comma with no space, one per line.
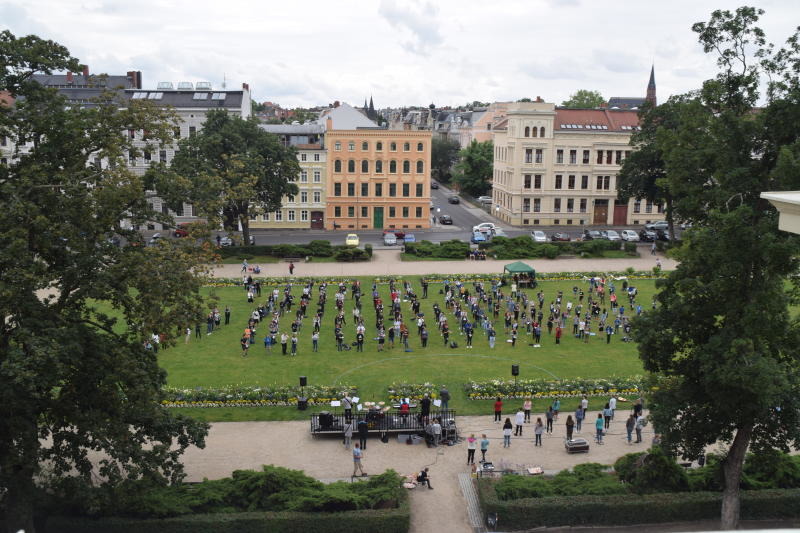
179,99
346,117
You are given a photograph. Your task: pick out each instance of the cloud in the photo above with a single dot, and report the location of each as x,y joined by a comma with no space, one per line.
415,18
618,62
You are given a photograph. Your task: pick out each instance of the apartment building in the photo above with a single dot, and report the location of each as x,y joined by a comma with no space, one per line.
376,178
555,166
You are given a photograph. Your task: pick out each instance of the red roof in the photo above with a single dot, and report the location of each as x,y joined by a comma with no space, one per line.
619,120
6,98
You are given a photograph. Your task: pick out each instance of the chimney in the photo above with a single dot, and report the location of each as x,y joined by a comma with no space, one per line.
134,79
86,71
539,100
69,77
336,104
246,86
328,124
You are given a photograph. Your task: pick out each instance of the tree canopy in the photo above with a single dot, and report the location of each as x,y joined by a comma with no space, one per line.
583,99
76,379
722,343
444,152
474,168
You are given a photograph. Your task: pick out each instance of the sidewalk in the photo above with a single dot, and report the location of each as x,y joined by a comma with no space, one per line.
388,263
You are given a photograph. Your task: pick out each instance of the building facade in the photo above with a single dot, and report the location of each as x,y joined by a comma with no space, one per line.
556,166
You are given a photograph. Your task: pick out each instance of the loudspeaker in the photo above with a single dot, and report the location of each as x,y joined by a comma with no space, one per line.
304,381
515,370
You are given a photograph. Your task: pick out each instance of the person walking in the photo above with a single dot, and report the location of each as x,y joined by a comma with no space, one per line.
472,445
358,454
498,410
578,418
584,404
484,447
570,427
598,425
538,429
630,424
519,420
526,407
507,428
653,248
348,434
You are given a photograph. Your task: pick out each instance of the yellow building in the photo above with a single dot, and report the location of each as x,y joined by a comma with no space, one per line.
377,178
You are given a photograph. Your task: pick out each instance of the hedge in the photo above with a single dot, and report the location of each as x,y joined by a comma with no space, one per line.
523,247
316,248
627,509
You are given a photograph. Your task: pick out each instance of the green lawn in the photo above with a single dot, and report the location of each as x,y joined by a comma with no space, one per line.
216,359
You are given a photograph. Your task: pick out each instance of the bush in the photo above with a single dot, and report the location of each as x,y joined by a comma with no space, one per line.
772,469
349,255
657,472
320,248
550,251
368,250
630,248
452,249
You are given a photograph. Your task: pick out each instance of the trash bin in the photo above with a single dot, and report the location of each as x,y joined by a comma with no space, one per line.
302,403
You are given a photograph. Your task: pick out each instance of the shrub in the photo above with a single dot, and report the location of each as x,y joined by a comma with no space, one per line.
349,255
658,472
518,487
320,248
626,466
772,469
452,249
550,251
368,249
630,247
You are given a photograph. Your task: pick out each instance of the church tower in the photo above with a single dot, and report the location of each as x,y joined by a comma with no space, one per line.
651,87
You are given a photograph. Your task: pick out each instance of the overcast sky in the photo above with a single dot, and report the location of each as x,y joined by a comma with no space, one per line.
402,52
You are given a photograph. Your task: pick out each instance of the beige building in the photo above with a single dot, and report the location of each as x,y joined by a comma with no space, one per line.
376,178
559,167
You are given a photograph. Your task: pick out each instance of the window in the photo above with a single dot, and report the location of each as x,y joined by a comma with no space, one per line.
529,155
392,212
537,205
599,183
420,167
337,146
132,159
637,206
393,147
537,181
573,157
192,131
405,212
570,205
526,205
557,205
265,217
337,211
364,211
337,189
365,189
303,216
406,147
176,132
586,157
364,166
558,181
364,146
627,154
378,146
392,189
162,156
351,189
535,131
351,165
406,190
608,157
599,157
648,207
541,131
317,197
351,146
303,157
337,165
526,181
316,157
200,96
131,134
379,167
539,155
584,182
527,131
607,182
618,157
571,181
418,212
379,189
303,176
559,156
278,216
419,190
351,211
392,167
291,215
420,147
406,166
303,197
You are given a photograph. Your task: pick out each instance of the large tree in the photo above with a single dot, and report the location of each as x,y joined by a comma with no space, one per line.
474,168
76,379
444,152
584,99
230,170
722,344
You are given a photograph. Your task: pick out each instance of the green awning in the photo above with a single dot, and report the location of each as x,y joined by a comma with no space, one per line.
519,267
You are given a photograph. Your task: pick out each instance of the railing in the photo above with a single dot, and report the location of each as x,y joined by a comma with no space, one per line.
392,421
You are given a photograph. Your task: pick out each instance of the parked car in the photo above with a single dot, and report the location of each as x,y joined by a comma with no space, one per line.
154,239
538,236
560,237
485,227
182,230
498,232
610,234
434,185
227,240
409,237
454,200
389,239
351,239
484,199
661,224
398,233
629,235
591,235
446,220
662,235
647,236
477,237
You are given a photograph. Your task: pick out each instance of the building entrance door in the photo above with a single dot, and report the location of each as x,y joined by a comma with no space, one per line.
377,217
600,212
317,220
620,214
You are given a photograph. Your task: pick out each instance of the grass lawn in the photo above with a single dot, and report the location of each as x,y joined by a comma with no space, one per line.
216,359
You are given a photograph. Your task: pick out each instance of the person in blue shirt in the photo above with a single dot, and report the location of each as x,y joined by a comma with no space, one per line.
598,424
268,343
609,332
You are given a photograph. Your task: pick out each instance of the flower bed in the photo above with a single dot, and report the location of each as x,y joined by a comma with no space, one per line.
543,388
413,391
239,396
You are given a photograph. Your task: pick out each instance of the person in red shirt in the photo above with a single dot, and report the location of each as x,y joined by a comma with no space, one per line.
498,410
558,334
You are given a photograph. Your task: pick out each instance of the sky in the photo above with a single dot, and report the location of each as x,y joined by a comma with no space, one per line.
400,52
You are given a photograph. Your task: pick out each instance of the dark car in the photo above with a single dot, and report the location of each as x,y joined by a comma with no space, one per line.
662,235
555,237
398,233
454,200
647,236
445,220
591,235
434,185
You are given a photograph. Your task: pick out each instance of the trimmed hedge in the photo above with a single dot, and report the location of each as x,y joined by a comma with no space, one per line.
316,248
523,247
627,509
452,249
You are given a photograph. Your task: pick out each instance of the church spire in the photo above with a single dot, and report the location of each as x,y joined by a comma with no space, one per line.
371,113
651,87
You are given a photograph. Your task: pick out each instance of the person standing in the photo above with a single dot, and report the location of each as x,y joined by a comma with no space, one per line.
348,433
424,336
245,343
498,410
472,445
347,404
437,432
638,427
609,332
268,342
358,454
188,335
363,431
519,420
507,427
607,415
538,429
294,344
284,341
578,418
612,403
291,268
556,408
359,342
584,405
315,341
484,447
444,396
492,336
549,415
558,334
227,314
425,408
598,425
630,424
570,427
526,407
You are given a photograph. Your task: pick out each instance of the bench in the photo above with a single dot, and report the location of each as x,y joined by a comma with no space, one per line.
294,259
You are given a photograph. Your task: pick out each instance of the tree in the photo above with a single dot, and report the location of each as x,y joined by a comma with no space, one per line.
444,152
230,170
722,375
474,168
584,99
74,379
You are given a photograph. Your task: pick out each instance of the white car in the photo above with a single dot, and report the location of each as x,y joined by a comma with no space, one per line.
484,199
389,239
486,227
629,235
538,236
661,224
612,235
351,239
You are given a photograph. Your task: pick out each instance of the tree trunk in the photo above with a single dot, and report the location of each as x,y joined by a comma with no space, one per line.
19,466
732,468
670,218
245,221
